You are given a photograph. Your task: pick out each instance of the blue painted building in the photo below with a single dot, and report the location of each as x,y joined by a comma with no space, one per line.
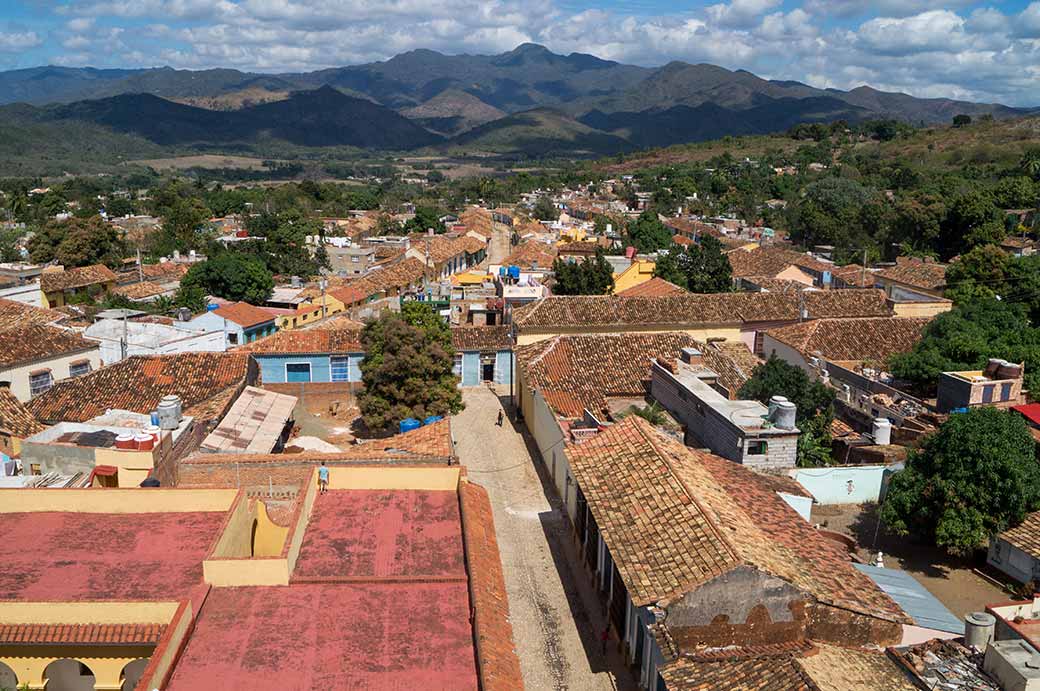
302,357
483,354
241,323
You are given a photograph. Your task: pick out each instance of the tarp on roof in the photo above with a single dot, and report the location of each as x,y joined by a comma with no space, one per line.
1031,412
923,607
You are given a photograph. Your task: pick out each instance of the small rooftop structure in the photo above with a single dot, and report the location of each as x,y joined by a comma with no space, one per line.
1000,385
256,423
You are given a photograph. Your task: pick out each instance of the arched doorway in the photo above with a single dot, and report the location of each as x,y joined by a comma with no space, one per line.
68,675
132,673
8,679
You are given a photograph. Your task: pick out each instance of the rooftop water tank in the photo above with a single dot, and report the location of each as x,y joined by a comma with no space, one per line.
169,413
408,424
785,415
432,419
978,629
774,401
212,307
514,272
882,431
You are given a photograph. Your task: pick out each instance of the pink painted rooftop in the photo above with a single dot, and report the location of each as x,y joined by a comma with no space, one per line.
66,556
382,533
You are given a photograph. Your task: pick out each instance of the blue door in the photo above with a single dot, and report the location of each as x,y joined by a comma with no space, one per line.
298,372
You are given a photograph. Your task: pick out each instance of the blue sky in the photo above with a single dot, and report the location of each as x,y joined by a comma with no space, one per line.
987,51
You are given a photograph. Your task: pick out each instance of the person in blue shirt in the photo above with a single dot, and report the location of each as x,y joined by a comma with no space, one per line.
323,478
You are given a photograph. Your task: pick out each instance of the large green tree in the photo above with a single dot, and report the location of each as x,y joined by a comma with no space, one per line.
976,476
813,400
701,268
592,276
407,369
232,276
78,242
426,217
648,234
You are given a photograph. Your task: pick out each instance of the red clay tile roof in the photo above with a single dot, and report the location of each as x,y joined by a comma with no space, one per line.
244,314
17,315
91,634
854,275
1026,535
349,295
392,277
916,273
578,372
206,382
654,288
770,261
164,271
478,219
585,311
532,254
873,339
139,291
15,419
497,661
53,281
39,343
316,341
484,338
674,518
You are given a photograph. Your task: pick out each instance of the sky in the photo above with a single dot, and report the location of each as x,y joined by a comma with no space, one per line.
980,51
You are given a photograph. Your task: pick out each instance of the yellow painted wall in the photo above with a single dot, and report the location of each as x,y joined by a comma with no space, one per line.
270,537
921,309
170,644
226,573
639,271
87,612
151,500
294,542
436,478
234,540
140,460
728,333
29,662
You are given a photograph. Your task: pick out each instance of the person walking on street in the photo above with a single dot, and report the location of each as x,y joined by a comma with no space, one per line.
323,478
501,418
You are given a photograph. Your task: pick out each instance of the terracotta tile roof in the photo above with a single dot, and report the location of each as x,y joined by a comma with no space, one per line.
532,254
317,341
350,295
164,271
578,372
654,288
92,634
577,311
1026,535
17,315
770,261
428,443
775,285
797,667
916,273
478,219
53,281
205,382
19,346
15,419
244,314
854,275
835,668
674,518
401,274
497,661
482,338
581,248
140,291
442,247
873,339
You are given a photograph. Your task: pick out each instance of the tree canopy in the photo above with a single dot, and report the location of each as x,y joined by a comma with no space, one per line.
78,242
408,368
232,276
648,234
976,476
593,276
700,268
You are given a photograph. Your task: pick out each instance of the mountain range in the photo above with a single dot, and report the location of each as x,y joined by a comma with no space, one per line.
529,101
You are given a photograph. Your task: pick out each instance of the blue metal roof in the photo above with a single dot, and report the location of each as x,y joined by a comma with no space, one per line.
921,606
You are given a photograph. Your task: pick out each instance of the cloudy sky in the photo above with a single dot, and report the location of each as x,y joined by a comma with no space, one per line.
987,51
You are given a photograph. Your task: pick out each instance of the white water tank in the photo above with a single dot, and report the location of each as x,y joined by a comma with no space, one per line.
882,431
978,630
785,415
169,410
774,401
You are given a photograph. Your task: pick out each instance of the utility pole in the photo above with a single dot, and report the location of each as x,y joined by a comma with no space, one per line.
140,268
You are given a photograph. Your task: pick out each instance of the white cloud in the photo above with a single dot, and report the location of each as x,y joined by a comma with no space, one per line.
1027,24
929,31
740,14
14,42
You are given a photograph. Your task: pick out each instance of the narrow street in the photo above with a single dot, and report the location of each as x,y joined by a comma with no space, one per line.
499,248
557,620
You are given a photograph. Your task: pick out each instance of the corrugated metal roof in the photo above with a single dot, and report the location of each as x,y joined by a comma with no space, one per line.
923,607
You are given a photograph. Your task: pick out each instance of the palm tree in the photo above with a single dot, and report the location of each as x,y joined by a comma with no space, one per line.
1031,164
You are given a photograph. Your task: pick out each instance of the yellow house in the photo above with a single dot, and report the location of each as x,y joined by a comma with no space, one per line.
639,271
59,288
310,312
573,234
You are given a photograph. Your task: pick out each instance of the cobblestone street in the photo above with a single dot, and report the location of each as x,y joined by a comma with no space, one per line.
557,621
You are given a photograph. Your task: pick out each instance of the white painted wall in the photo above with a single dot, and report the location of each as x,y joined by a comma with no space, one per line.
59,367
